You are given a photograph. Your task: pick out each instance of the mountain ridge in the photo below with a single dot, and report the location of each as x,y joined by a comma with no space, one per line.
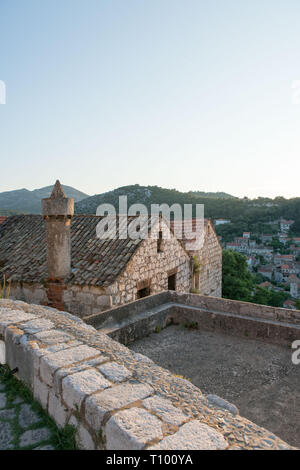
23,200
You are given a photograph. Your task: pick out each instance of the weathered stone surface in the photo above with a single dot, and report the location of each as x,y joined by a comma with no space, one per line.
56,410
8,317
7,414
6,436
76,387
52,362
41,392
2,353
220,403
53,336
193,436
115,372
61,373
165,410
2,400
84,439
142,358
27,416
34,436
113,399
17,400
131,429
34,326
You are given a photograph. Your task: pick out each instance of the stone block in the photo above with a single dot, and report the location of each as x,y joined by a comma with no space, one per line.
40,392
83,439
2,352
115,372
6,436
39,324
193,436
131,429
77,386
53,337
63,372
50,363
115,398
19,354
10,317
221,403
34,436
165,410
57,410
27,417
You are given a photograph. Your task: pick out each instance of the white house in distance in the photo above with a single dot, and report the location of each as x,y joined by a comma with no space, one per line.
222,221
285,225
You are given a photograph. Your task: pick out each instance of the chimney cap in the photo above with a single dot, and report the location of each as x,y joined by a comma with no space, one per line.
58,204
58,191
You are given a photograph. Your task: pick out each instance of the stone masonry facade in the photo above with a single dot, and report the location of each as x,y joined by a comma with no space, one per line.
206,260
149,268
209,279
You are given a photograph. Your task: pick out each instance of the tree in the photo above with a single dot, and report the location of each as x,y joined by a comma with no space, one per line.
237,281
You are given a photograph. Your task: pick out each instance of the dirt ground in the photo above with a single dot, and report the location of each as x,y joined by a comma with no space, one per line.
259,378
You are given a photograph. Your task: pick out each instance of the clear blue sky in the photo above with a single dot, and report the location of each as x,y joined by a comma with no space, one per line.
186,94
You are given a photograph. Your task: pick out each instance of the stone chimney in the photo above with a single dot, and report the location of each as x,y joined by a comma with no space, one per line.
57,212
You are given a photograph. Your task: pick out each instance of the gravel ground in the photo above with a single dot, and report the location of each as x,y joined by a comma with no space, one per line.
259,378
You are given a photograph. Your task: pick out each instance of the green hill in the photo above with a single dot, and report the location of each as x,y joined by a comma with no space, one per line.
23,201
255,215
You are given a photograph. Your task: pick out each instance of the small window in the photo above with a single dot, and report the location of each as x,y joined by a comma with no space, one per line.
159,242
143,292
172,282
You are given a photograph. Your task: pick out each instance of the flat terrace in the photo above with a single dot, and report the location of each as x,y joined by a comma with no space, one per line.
259,378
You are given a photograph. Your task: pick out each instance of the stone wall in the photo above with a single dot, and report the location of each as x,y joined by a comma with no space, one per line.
138,319
209,280
147,265
116,399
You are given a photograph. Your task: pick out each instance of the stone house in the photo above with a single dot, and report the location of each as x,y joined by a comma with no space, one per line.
206,259
58,260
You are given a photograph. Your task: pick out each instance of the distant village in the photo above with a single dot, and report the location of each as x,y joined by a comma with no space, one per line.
264,256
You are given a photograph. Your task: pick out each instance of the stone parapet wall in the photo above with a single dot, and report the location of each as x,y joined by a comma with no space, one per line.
236,307
115,398
136,320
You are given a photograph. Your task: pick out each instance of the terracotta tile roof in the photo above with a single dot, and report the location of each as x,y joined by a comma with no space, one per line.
289,302
2,218
94,261
266,284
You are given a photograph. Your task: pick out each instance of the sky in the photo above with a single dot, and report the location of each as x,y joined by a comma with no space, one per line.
185,94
